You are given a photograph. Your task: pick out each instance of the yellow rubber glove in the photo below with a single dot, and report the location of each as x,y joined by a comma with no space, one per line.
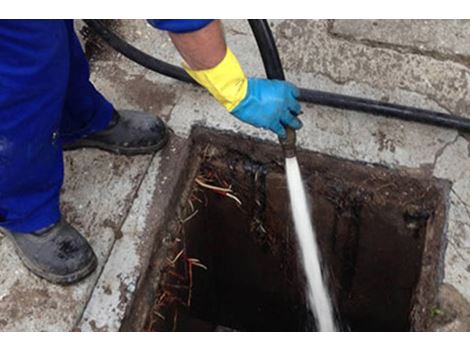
264,103
226,81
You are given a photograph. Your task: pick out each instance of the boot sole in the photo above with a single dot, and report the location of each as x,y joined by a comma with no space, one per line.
55,279
120,150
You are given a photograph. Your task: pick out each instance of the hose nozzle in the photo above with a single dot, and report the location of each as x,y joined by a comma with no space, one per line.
288,143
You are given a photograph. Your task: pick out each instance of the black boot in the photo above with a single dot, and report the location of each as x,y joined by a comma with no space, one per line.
59,254
129,132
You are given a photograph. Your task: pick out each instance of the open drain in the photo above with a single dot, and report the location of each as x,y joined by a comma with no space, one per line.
235,263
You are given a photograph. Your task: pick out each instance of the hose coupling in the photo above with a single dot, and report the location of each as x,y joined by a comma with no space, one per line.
288,143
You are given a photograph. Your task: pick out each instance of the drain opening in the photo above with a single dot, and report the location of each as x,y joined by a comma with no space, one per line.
235,266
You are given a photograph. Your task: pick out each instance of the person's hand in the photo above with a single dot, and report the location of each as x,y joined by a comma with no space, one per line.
264,103
270,104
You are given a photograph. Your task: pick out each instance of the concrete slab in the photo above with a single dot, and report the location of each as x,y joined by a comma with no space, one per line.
307,47
141,233
118,281
453,164
97,195
444,38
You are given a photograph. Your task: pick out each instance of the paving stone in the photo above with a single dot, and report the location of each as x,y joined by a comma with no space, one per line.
306,47
440,37
143,229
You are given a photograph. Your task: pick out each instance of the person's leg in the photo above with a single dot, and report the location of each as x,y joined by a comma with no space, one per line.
89,120
85,111
34,74
33,81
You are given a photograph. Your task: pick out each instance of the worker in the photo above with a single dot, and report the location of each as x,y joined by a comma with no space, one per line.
48,104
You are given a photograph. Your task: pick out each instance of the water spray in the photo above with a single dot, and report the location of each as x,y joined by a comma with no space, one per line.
318,298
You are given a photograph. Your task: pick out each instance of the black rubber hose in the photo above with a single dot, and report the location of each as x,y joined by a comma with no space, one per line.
272,63
375,107
268,49
137,55
273,67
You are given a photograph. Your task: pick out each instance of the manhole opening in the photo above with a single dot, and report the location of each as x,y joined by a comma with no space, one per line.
234,265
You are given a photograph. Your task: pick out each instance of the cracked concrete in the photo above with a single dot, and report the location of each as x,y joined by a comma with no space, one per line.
441,39
307,47
120,203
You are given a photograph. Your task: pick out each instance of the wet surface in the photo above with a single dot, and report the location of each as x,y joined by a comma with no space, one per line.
235,258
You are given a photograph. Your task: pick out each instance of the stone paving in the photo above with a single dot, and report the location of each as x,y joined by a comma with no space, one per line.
120,203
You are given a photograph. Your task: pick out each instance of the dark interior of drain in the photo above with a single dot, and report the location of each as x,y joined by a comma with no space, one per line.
235,266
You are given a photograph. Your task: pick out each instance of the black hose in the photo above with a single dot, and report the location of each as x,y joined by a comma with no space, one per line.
268,49
273,67
137,55
375,107
274,70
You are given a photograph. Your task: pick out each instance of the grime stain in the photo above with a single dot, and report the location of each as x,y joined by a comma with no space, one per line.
115,227
27,302
383,142
107,290
96,328
146,95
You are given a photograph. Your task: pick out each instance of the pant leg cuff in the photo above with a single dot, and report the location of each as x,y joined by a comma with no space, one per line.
35,222
100,121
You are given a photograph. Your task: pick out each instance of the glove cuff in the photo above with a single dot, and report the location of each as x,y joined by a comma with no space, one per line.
226,81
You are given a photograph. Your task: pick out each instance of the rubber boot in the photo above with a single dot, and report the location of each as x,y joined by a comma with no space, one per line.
129,132
59,253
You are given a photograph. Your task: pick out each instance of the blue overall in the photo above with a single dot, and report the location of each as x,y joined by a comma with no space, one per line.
46,99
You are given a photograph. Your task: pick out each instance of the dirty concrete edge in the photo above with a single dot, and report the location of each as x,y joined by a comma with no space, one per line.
164,247
108,309
431,276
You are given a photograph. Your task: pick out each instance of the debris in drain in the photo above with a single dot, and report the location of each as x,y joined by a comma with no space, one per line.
236,266
227,192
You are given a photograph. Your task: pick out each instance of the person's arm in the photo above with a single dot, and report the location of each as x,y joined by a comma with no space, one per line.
268,104
202,49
